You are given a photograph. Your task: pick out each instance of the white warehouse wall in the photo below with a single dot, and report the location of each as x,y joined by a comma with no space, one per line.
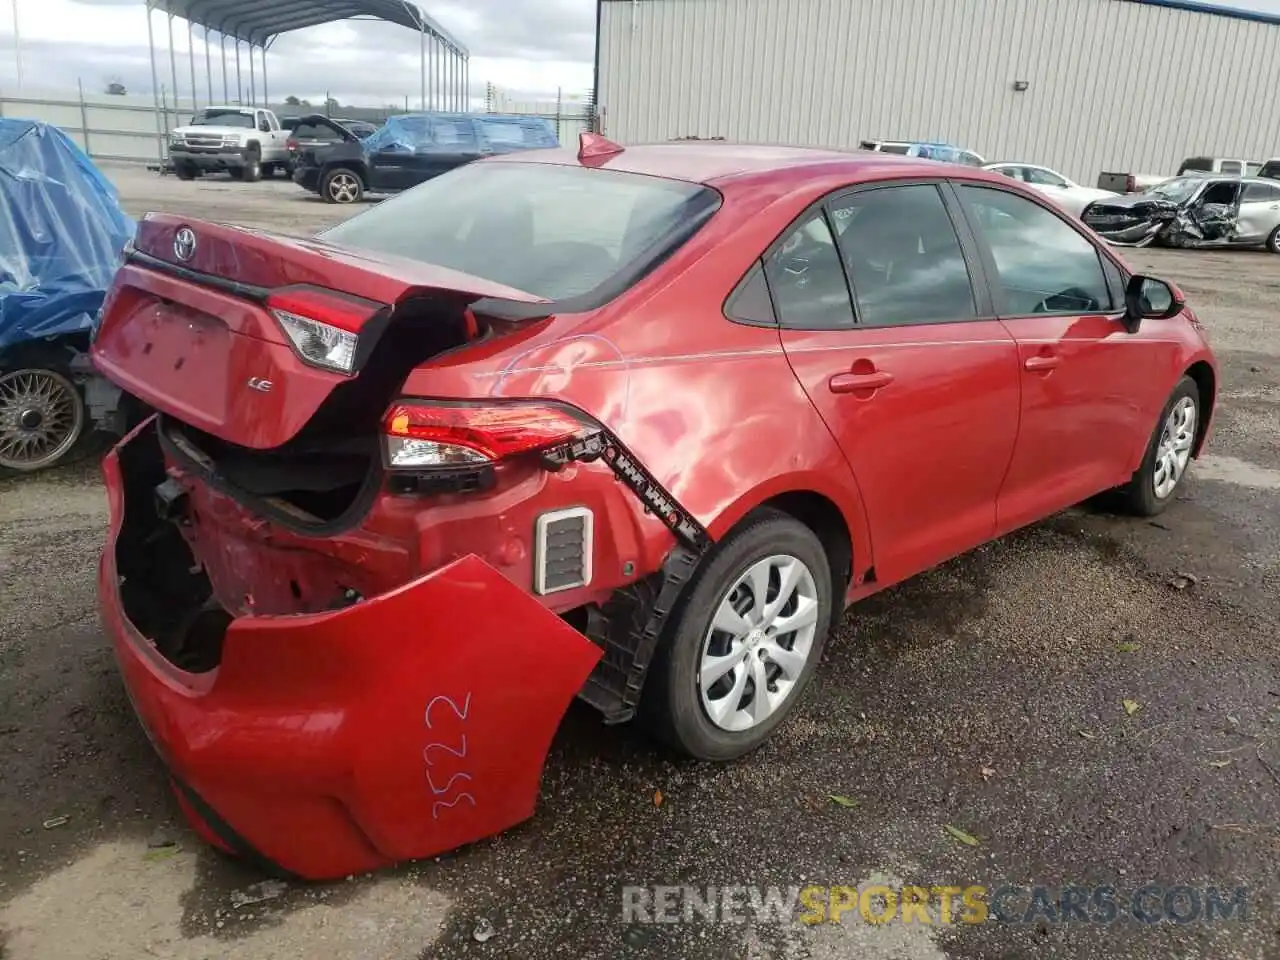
1114,84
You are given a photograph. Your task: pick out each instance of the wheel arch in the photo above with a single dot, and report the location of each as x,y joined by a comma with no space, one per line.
358,167
833,512
1206,380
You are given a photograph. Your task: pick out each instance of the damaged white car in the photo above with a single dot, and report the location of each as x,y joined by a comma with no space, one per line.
1193,212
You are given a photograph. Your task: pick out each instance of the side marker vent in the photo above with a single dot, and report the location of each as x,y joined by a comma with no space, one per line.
562,550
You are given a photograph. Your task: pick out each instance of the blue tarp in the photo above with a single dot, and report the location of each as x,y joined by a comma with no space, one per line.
61,234
461,133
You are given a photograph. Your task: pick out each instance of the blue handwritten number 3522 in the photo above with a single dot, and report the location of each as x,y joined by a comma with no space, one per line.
460,752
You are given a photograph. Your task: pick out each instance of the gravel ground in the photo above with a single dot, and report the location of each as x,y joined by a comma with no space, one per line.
986,695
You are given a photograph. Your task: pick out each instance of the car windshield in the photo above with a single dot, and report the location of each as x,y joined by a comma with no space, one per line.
223,118
1179,190
557,232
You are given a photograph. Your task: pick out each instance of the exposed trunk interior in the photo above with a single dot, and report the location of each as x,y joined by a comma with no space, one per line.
327,475
165,593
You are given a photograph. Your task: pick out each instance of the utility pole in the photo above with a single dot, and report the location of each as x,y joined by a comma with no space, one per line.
17,42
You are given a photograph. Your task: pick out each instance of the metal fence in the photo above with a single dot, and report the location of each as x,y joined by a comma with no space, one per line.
130,128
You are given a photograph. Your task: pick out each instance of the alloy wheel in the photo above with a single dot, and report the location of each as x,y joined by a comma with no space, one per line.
1173,452
758,643
343,188
41,418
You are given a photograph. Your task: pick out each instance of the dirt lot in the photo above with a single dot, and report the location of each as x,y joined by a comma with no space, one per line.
986,695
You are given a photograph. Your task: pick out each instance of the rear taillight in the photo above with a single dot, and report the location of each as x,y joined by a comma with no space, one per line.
291,144
428,434
322,325
1130,184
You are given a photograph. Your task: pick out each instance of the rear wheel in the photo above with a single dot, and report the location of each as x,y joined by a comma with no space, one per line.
42,416
1273,241
341,185
1168,453
185,171
745,643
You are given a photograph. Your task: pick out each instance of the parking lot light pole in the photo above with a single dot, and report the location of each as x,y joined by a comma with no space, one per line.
155,83
17,43
422,61
191,56
253,79
226,89
173,73
208,65
266,91
239,82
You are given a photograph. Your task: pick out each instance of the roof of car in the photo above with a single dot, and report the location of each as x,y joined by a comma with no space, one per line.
707,161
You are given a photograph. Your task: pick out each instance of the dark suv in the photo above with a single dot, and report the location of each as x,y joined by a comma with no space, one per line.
411,149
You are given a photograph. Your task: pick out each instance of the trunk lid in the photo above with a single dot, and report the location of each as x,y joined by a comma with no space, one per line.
191,324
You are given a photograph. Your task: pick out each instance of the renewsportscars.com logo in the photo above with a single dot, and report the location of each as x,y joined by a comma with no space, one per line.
942,905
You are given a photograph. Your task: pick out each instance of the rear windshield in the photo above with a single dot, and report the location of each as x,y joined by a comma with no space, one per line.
1270,169
223,118
558,232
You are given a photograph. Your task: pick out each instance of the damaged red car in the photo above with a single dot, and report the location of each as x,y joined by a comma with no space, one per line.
629,425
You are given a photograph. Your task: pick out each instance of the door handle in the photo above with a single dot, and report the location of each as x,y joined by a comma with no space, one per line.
1038,364
857,382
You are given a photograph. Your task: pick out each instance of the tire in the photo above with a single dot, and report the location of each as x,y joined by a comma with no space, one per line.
185,171
54,411
251,172
1148,493
675,706
1273,241
342,185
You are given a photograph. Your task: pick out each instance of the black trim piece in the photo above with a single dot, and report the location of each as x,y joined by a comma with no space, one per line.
640,611
208,472
239,846
246,291
602,445
634,623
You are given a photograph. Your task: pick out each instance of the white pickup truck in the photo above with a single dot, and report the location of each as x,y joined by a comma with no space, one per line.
245,142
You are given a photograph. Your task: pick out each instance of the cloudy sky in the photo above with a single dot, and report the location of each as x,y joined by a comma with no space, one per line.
533,46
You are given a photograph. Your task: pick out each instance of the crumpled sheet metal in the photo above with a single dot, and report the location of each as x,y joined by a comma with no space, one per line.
62,231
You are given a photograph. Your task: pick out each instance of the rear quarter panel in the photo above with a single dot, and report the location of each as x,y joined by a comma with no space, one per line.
711,407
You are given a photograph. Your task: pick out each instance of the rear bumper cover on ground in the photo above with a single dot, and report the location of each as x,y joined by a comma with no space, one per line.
406,725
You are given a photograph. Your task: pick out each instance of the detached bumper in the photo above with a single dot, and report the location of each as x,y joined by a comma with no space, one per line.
326,744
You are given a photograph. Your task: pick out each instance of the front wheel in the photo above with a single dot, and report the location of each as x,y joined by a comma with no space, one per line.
745,643
1168,454
1273,241
342,186
251,172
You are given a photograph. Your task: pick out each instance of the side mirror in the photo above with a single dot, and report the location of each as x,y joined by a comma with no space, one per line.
1146,298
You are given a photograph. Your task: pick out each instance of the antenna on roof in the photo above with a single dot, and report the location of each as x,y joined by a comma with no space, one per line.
593,146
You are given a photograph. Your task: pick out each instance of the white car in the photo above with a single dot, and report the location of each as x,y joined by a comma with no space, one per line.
1067,194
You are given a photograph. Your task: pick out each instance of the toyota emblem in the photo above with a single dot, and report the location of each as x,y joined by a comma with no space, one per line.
184,244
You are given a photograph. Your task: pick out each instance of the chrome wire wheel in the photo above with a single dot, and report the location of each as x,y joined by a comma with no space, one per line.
343,188
1173,451
41,418
758,644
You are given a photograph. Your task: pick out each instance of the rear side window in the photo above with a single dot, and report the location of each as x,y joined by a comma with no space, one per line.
807,281
1260,193
1044,178
314,131
903,257
1232,168
458,134
1195,163
1043,264
1270,169
557,232
900,148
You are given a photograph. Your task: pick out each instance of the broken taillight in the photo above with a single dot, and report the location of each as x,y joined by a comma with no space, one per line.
323,326
425,434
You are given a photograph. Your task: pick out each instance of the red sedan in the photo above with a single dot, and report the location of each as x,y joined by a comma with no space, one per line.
629,425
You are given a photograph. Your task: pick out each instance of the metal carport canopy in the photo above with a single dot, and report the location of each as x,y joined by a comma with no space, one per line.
258,22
